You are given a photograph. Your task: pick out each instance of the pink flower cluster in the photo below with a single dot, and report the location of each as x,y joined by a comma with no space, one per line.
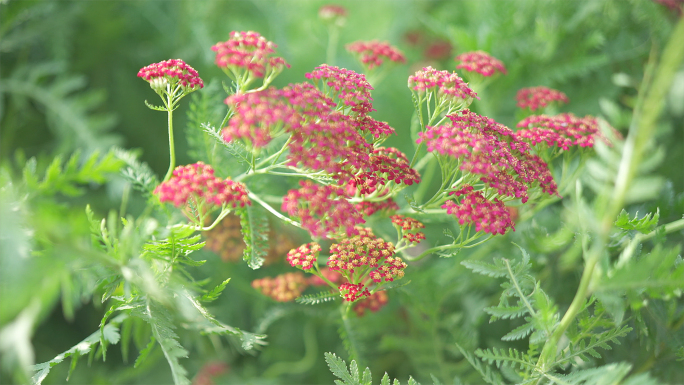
447,86
248,51
474,209
197,183
323,210
492,151
408,228
374,302
351,292
535,98
304,256
480,62
282,288
564,130
349,87
172,72
370,208
366,251
374,53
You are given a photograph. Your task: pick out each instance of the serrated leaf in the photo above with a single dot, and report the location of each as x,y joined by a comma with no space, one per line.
519,333
338,367
315,299
145,352
644,225
215,292
485,268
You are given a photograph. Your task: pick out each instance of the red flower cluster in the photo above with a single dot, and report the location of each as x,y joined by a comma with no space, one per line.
373,53
491,150
351,292
480,62
197,183
474,209
364,252
370,208
304,256
564,130
323,210
350,88
447,86
248,51
535,98
171,72
373,303
408,228
282,288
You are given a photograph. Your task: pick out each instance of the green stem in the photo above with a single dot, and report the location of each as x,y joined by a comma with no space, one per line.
273,211
172,148
333,37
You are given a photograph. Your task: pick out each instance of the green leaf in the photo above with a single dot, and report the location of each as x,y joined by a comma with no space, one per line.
339,369
215,292
109,333
644,225
512,358
496,270
145,352
139,174
255,230
315,299
520,332
485,371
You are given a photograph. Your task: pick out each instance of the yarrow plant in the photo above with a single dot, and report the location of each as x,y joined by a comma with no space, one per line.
311,158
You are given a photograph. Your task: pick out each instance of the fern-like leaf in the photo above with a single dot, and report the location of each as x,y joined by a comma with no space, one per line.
644,225
511,358
140,175
108,333
584,347
65,178
215,292
315,299
485,371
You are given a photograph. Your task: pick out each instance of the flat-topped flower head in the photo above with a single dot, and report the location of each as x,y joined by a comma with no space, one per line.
351,292
370,208
445,85
490,216
351,89
374,53
332,145
248,53
392,165
305,256
323,210
257,115
333,14
196,184
491,151
481,63
563,130
536,98
169,74
366,253
282,288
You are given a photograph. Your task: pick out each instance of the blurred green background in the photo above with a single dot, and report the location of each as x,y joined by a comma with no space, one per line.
68,82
